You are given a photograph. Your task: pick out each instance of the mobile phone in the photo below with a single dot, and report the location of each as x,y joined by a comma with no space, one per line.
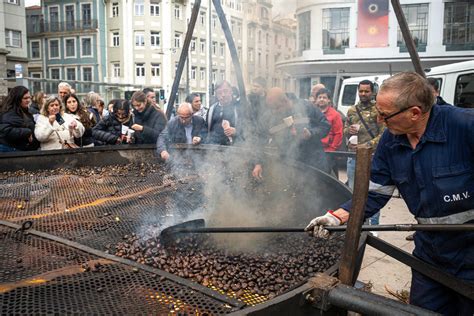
59,119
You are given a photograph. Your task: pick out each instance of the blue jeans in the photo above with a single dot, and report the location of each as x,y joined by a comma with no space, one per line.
6,149
351,165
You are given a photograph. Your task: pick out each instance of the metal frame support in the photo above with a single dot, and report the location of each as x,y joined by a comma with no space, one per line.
183,57
402,22
347,270
456,284
328,292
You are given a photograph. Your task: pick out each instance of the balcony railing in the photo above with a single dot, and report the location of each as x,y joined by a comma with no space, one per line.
62,26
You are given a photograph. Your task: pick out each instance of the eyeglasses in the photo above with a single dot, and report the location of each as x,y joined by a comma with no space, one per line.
386,117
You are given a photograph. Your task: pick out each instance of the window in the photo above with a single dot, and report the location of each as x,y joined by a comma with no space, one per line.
139,39
71,74
35,50
87,74
53,48
116,70
115,9
177,12
463,96
139,7
155,39
214,22
155,70
115,39
86,46
193,72
222,49
192,46
250,54
304,31
202,44
251,32
12,38
239,28
202,73
264,13
70,44
177,40
69,10
417,19
202,18
214,76
54,73
86,9
154,9
54,19
335,30
214,48
458,33
222,77
140,70
14,2
267,60
259,59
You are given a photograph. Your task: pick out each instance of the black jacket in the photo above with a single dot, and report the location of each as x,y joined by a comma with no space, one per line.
153,122
108,130
16,128
175,133
309,151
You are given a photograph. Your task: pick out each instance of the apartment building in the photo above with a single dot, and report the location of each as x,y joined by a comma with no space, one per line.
67,41
145,38
13,48
354,38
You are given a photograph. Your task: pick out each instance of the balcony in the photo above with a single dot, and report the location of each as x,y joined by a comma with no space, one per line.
63,26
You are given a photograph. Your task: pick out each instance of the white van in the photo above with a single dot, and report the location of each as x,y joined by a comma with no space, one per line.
456,85
456,82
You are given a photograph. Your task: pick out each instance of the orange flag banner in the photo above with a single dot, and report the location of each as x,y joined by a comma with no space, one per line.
372,23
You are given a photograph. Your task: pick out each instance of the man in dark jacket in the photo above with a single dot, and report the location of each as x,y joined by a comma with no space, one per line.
224,117
184,128
295,129
427,153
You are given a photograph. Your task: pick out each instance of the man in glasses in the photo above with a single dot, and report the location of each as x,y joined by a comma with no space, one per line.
427,152
362,127
184,128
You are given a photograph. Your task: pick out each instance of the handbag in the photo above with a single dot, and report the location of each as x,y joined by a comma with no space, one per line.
65,144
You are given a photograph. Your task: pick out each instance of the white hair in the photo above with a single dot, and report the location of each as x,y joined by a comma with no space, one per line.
185,105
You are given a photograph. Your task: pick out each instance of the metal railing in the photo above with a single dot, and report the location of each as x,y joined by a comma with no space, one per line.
62,26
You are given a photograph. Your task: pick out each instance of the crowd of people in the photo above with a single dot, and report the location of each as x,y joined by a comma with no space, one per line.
424,148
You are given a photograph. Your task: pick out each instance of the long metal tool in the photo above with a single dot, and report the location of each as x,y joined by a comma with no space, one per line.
198,226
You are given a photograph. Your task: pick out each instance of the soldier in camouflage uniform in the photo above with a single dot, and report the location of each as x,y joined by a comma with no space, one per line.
367,131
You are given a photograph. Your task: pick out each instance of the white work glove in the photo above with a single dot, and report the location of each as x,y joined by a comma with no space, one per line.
316,229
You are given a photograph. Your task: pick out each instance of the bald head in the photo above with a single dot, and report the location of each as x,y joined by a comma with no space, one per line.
185,109
315,89
277,99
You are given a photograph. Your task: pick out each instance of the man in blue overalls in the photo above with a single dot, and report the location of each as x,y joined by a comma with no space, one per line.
427,152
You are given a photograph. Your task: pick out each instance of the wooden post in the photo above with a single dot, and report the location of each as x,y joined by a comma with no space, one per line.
359,199
402,22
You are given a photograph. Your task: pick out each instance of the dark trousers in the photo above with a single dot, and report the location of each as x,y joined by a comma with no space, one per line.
433,296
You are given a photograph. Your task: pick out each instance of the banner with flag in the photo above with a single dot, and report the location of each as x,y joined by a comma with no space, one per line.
372,23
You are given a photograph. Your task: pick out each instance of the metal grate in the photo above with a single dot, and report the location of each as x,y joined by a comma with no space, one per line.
38,276
97,207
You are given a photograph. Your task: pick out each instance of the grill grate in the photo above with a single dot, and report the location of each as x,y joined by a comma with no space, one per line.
97,207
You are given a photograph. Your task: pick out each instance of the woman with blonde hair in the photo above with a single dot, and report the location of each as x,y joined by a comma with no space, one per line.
36,103
54,128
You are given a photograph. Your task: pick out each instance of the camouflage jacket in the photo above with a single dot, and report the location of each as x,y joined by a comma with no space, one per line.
369,113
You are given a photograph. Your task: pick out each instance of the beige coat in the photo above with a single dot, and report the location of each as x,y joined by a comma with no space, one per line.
47,136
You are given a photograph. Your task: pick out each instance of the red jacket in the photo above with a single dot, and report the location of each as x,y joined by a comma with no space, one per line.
334,138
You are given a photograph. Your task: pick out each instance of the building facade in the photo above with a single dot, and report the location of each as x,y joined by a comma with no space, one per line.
67,41
145,38
332,44
13,48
